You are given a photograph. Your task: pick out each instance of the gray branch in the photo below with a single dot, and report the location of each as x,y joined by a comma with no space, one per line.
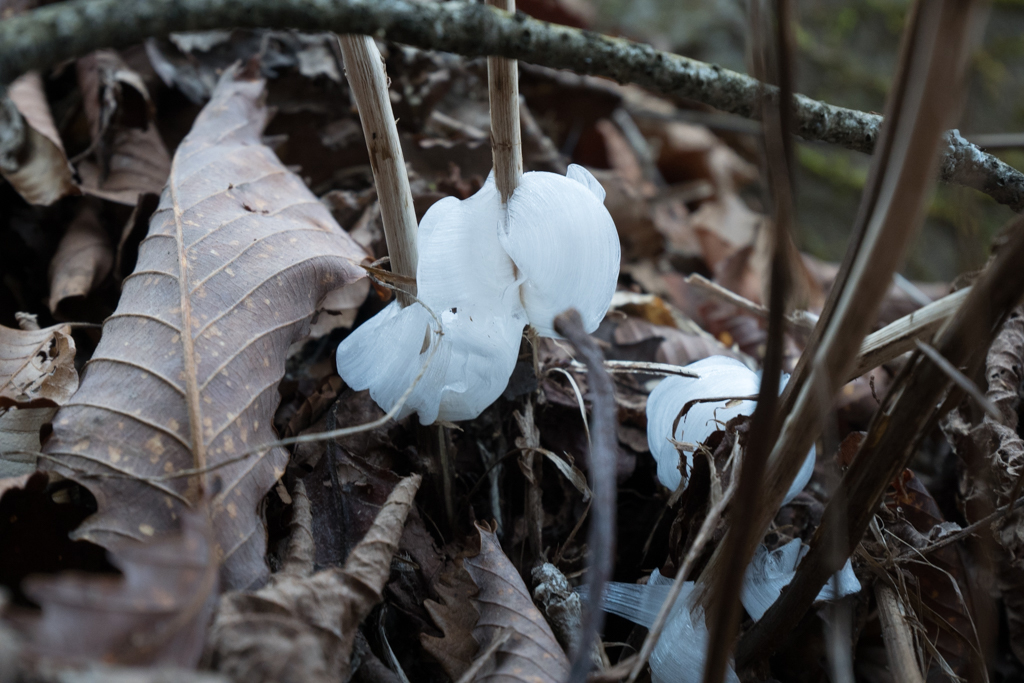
49,35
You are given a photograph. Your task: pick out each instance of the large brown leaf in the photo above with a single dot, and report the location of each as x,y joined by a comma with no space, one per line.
532,653
37,374
238,254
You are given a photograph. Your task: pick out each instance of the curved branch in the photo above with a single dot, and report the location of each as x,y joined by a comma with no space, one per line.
51,34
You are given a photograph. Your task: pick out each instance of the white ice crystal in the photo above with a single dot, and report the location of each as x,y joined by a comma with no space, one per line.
720,377
486,270
771,571
679,655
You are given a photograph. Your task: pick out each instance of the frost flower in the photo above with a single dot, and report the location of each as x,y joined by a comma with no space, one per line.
486,270
679,654
720,377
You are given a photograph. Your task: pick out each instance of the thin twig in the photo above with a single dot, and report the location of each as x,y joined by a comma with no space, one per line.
639,367
959,379
601,538
50,35
773,61
971,529
800,320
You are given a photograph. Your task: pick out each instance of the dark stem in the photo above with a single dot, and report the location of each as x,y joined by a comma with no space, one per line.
49,35
603,449
911,407
724,605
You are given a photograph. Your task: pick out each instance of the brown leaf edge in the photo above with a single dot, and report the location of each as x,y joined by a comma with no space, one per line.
532,653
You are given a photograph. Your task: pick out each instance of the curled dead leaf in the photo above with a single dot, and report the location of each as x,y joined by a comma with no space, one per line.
185,376
37,374
32,156
128,155
84,258
301,627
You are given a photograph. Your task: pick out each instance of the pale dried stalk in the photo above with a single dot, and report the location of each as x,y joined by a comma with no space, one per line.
899,336
364,68
899,641
506,139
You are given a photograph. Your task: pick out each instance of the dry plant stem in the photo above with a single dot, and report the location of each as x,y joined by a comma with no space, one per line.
506,138
364,68
723,607
919,114
909,409
707,528
601,537
804,322
899,336
49,35
965,383
899,640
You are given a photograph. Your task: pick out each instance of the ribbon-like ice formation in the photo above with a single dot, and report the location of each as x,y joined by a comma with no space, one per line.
486,270
680,653
720,377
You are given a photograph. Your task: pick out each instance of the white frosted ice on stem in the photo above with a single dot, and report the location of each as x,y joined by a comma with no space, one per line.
486,269
564,244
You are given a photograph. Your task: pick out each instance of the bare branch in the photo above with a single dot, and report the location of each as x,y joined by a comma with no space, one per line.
51,34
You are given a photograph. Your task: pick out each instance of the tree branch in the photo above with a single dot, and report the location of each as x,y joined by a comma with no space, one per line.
51,34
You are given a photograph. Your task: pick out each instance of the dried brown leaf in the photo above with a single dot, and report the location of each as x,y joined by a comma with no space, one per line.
37,374
84,258
129,157
32,159
532,653
669,344
301,628
456,616
155,614
238,254
994,456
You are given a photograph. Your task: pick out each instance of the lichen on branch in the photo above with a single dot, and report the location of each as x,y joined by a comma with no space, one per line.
51,34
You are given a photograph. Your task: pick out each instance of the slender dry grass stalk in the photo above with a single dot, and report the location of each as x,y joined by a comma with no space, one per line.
364,68
506,137
899,639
